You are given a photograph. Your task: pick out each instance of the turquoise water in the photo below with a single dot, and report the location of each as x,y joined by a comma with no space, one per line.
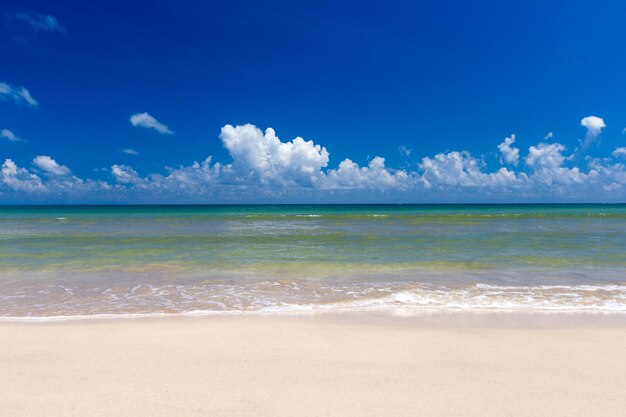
94,260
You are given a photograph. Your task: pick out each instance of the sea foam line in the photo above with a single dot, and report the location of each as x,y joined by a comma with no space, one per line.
488,297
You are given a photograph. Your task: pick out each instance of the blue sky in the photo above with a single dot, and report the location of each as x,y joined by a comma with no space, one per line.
432,87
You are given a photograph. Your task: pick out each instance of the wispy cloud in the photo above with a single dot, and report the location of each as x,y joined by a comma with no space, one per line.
149,122
405,151
619,152
39,22
19,95
129,151
549,135
9,135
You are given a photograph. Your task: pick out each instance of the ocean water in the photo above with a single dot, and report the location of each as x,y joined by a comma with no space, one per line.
75,261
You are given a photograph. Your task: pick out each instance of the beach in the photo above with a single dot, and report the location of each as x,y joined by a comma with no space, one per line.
342,310
317,365
312,209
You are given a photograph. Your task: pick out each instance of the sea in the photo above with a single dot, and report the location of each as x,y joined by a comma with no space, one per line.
64,262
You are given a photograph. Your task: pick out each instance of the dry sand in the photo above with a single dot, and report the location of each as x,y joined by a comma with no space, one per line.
297,366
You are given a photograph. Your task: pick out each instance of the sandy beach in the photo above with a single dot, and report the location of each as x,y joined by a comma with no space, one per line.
309,366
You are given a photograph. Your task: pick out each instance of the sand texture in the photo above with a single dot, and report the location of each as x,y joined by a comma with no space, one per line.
294,366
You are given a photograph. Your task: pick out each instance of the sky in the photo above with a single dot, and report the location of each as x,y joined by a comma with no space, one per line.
312,102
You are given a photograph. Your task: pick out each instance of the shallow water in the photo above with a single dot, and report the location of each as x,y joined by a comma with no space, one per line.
111,260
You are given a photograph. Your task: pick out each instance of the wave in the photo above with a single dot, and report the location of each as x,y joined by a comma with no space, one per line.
541,297
144,300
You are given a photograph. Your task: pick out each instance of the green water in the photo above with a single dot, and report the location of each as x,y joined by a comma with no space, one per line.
235,236
330,247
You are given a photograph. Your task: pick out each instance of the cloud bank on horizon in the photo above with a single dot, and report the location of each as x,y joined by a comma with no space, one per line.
265,168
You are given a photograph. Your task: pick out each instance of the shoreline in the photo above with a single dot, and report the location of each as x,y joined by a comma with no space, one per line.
416,316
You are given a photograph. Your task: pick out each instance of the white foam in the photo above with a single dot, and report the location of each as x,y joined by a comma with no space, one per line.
271,297
498,297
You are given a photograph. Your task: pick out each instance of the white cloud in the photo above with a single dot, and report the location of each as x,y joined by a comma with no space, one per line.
196,179
547,162
549,135
7,134
149,122
265,168
610,177
509,153
39,22
374,176
50,166
545,155
619,152
594,127
593,124
129,151
20,95
264,158
19,179
197,176
20,185
9,168
125,174
261,159
460,169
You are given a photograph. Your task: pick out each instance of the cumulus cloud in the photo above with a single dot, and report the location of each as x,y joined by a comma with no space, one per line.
373,176
547,161
198,179
20,95
18,184
594,127
460,169
125,174
197,176
263,157
593,124
129,151
10,136
261,161
50,166
39,22
509,153
263,167
19,179
149,122
545,155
